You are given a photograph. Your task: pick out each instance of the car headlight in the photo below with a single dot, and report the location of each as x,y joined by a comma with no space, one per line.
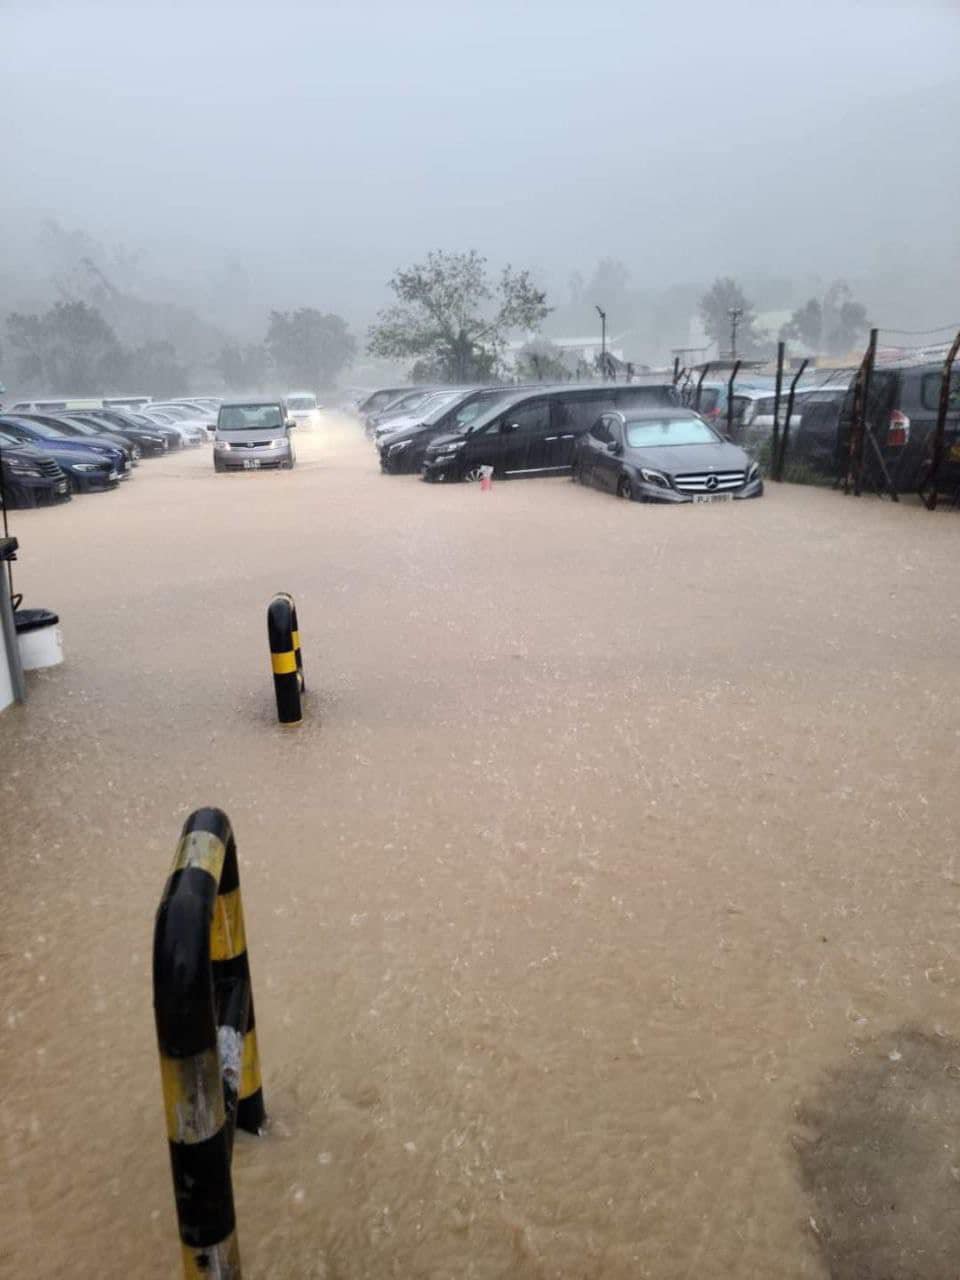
655,477
223,444
84,466
753,473
448,450
399,446
279,444
24,469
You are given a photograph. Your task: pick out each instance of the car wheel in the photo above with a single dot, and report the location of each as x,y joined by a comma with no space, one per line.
472,474
625,489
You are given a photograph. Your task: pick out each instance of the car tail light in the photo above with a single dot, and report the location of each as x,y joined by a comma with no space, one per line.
898,433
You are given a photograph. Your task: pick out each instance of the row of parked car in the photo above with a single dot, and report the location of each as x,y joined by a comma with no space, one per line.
636,440
453,433
901,413
51,449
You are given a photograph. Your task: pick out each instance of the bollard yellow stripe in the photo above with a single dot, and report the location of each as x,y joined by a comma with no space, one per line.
221,1260
284,664
228,937
250,1069
296,640
202,850
192,1096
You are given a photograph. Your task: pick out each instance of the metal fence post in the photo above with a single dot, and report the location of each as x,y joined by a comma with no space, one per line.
703,374
206,1033
858,422
286,658
785,438
943,408
775,442
733,377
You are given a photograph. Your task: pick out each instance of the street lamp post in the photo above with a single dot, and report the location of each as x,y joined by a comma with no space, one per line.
735,314
603,340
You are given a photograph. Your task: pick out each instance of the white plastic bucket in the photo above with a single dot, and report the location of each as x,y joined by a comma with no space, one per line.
41,646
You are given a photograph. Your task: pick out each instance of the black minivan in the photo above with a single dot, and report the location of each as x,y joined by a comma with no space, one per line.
902,412
534,433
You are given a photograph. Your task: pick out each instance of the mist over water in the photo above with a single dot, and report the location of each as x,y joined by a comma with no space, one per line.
240,157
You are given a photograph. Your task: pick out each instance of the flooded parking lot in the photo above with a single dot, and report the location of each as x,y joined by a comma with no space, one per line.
602,913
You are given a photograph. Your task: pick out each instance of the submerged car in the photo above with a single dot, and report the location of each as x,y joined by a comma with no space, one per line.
534,432
252,434
30,477
88,467
403,451
90,432
303,409
664,455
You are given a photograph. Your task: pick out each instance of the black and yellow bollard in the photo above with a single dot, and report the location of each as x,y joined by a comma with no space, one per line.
285,657
209,1065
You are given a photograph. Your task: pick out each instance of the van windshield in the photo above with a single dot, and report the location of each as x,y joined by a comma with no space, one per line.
249,417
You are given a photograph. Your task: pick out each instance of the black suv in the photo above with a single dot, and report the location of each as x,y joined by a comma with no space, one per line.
902,413
404,451
535,432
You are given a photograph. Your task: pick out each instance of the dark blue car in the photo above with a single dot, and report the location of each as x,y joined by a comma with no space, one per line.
30,477
87,466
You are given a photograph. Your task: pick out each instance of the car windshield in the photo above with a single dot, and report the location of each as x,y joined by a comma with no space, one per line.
249,417
434,406
301,404
175,411
648,434
44,429
469,413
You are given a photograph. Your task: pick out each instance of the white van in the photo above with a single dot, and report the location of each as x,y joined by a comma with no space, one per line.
303,408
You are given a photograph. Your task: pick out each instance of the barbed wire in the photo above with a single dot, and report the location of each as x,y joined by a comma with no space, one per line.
921,333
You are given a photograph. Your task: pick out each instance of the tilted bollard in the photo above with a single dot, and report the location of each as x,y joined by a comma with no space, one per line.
209,1064
285,657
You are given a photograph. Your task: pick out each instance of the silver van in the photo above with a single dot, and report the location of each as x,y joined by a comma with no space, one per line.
251,435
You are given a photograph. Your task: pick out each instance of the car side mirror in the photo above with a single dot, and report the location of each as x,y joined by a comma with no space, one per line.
615,447
507,427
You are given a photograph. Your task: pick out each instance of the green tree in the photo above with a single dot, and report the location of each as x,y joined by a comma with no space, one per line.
156,368
309,349
69,348
541,361
724,296
834,326
243,368
805,325
451,314
845,323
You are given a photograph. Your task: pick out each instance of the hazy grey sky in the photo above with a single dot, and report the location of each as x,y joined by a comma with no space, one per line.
324,144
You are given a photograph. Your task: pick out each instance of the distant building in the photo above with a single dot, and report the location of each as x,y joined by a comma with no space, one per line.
574,351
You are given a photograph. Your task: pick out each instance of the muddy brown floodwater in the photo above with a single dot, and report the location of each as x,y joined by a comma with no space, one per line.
602,913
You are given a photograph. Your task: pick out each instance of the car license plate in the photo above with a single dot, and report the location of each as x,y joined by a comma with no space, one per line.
251,464
712,497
